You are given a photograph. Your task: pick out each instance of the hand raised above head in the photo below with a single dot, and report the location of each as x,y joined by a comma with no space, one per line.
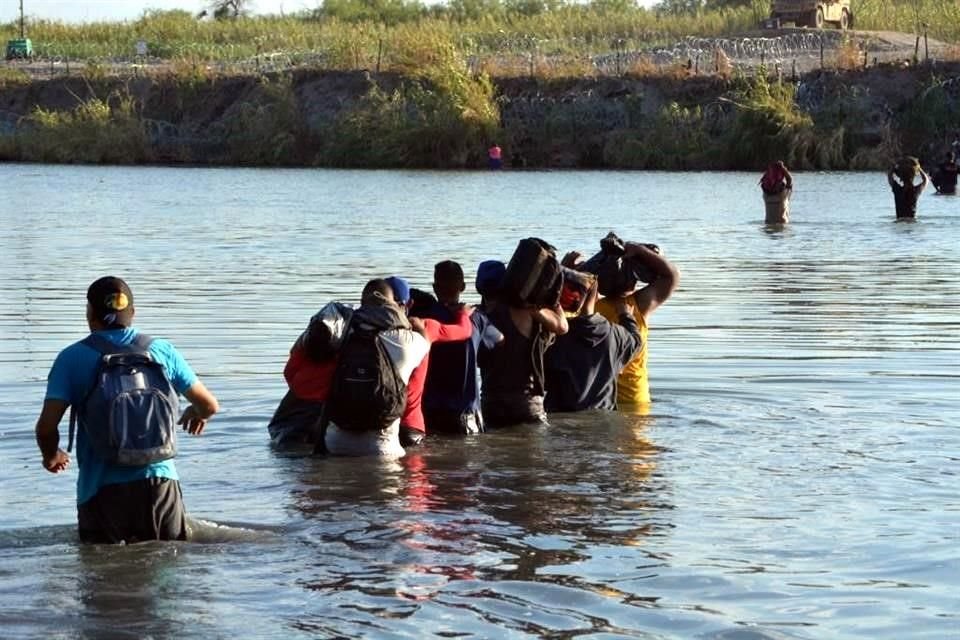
571,259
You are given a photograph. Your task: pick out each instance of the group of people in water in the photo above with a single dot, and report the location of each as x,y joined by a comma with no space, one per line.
777,185
460,369
403,365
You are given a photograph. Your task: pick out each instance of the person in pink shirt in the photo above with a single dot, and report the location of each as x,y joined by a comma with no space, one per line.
495,156
413,427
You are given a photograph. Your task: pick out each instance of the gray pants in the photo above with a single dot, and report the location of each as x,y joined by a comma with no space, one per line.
777,206
149,509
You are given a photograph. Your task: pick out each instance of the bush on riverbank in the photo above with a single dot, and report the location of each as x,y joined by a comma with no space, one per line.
446,118
768,126
265,129
443,117
96,131
935,109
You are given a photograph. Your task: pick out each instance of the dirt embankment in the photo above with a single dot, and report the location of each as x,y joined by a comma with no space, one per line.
578,122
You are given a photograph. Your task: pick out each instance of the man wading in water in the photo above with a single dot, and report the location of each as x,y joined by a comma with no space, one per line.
127,489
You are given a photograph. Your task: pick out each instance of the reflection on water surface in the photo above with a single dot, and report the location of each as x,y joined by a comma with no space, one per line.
796,477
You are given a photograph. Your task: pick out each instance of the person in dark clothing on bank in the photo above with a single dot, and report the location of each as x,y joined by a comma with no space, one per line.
582,365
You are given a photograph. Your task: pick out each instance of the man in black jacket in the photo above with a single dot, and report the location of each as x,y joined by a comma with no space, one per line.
583,364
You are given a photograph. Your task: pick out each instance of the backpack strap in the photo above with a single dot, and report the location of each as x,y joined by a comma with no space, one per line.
73,428
143,341
140,344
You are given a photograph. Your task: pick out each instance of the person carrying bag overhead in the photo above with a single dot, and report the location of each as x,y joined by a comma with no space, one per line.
777,186
528,315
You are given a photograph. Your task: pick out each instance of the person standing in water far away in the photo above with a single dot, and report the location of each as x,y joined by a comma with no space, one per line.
777,186
945,177
495,156
900,177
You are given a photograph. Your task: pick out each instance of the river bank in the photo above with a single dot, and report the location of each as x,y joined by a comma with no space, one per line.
673,119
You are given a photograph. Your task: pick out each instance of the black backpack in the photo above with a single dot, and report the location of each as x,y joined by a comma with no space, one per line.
533,277
130,413
616,273
367,392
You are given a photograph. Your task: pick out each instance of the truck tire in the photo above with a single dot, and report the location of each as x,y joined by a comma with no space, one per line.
818,18
844,20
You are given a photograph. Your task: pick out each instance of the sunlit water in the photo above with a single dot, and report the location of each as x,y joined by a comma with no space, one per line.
797,477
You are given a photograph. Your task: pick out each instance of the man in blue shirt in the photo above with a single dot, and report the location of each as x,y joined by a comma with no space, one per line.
118,503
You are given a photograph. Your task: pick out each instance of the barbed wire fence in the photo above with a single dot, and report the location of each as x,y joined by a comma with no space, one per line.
523,56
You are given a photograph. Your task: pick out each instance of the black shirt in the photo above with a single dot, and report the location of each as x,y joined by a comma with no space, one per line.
947,177
905,197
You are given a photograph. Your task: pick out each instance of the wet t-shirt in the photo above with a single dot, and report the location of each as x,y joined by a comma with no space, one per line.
70,380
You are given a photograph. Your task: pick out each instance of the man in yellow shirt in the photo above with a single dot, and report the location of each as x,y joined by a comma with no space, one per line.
633,388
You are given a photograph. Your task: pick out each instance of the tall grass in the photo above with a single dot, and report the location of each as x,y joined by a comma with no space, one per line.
569,26
439,116
909,16
768,126
353,33
96,131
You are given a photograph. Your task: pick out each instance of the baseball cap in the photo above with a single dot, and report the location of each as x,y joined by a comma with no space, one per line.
401,289
111,301
489,277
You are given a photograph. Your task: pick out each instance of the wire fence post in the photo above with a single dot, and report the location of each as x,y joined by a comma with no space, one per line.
821,52
916,51
379,53
926,45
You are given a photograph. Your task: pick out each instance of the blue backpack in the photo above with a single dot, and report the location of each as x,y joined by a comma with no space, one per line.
130,413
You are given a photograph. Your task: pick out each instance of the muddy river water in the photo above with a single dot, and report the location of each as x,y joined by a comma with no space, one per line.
796,476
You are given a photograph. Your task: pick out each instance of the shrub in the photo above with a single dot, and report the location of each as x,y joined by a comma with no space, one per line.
95,131
265,128
441,117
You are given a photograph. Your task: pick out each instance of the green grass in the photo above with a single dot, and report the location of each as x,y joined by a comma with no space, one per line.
352,34
96,131
439,112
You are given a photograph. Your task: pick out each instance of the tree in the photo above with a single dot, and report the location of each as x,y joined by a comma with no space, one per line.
224,9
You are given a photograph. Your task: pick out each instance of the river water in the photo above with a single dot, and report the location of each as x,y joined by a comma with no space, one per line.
795,478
